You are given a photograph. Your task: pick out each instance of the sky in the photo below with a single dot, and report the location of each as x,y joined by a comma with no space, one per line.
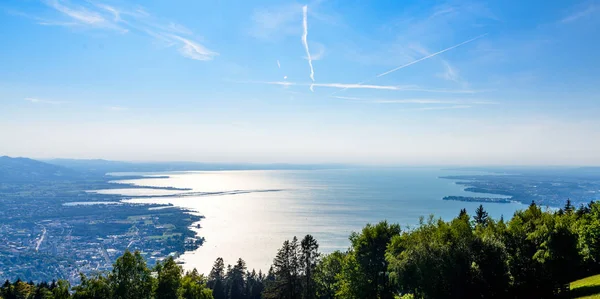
341,81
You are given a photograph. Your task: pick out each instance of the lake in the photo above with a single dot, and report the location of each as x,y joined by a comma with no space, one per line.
250,213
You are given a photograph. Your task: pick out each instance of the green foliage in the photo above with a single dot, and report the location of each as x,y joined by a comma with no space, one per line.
327,275
130,278
193,286
169,279
286,271
97,287
309,256
533,255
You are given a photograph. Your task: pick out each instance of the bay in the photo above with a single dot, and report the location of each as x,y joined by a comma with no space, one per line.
249,214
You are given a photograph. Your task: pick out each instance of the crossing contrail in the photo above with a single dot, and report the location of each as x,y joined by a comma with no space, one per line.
418,60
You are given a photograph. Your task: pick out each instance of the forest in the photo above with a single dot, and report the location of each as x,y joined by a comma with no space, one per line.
535,254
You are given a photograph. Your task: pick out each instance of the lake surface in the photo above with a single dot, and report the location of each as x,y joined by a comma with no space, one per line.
250,213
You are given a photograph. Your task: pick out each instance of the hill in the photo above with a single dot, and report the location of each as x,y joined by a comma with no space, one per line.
29,170
105,166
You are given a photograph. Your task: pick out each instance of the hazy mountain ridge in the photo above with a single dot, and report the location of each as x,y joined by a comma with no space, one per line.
28,170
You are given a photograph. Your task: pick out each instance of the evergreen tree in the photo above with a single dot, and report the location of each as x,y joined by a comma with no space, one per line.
216,279
309,258
481,216
568,207
285,271
236,283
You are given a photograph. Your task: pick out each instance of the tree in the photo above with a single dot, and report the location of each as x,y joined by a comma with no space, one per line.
169,279
327,275
481,216
366,262
130,277
96,287
236,284
216,279
568,207
286,267
309,257
193,286
61,291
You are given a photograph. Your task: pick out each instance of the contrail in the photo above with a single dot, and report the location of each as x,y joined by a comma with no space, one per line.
305,42
418,60
431,55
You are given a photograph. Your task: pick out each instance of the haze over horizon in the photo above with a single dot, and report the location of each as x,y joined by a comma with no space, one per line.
402,83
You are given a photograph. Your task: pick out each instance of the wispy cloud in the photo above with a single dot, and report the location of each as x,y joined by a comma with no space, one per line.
193,50
370,86
334,85
270,23
116,108
114,11
42,101
94,15
305,43
79,14
317,51
419,49
443,108
430,55
425,101
278,64
582,13
452,74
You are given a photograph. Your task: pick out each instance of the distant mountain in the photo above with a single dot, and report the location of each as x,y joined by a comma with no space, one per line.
29,170
105,166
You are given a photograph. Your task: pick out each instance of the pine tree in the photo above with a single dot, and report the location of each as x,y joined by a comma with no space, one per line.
236,285
285,271
481,216
569,207
309,259
216,279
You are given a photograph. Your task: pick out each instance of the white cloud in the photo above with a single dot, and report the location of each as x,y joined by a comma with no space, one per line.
318,51
444,108
582,13
451,74
116,13
278,64
345,86
101,16
334,85
116,108
41,101
194,50
275,21
426,101
80,14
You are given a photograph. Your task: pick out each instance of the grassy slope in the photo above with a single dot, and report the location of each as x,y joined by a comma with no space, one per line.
587,288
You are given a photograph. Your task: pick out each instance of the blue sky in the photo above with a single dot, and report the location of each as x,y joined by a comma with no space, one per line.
376,82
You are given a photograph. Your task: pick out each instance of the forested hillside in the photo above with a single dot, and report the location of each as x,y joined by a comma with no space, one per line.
536,254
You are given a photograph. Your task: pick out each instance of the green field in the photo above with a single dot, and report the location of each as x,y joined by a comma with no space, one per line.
587,288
